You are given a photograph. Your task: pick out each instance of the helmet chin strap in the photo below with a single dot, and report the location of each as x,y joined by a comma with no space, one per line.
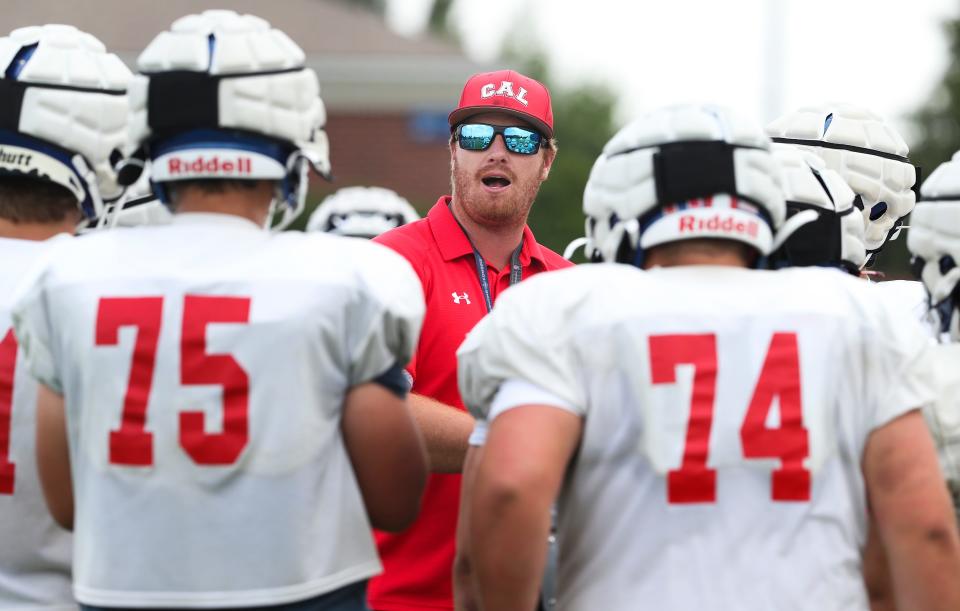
573,246
290,194
91,190
791,225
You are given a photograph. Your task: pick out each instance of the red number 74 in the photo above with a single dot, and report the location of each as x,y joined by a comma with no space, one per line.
694,482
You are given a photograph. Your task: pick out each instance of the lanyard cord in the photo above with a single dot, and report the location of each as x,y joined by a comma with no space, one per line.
516,272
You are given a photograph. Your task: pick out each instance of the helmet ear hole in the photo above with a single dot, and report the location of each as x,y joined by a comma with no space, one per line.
878,210
625,252
917,264
946,264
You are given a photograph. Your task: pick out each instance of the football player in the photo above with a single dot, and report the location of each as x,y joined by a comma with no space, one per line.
63,123
934,240
867,152
221,407
712,432
362,212
871,156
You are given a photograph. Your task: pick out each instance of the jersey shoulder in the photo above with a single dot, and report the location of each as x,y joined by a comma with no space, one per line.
909,296
24,262
371,269
571,297
413,241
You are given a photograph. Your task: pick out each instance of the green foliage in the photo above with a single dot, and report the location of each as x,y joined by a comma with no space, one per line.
439,14
377,6
937,122
583,123
583,119
936,137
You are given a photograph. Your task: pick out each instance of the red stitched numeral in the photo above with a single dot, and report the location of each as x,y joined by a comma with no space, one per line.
780,377
132,444
198,367
8,366
694,482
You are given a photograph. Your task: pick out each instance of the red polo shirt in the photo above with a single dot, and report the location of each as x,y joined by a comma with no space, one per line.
417,563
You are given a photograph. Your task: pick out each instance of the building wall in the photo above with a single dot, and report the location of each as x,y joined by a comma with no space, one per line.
406,152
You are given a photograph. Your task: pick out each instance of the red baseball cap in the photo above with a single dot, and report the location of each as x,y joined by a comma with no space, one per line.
508,92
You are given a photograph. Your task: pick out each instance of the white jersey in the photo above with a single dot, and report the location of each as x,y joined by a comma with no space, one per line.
34,550
725,416
909,296
943,417
943,414
204,366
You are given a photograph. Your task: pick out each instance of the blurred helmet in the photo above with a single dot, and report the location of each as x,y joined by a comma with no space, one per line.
835,238
63,112
680,173
363,212
934,240
869,155
226,96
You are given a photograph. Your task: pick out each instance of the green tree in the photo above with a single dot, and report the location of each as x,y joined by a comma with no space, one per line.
438,23
937,121
583,122
936,126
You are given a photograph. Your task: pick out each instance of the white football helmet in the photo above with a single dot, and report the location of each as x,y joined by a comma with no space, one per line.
362,212
63,112
679,173
226,96
869,155
836,237
934,240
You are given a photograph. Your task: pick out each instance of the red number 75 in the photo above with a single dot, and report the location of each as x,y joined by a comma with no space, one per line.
132,444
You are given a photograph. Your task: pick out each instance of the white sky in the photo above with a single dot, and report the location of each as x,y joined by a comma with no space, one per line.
763,57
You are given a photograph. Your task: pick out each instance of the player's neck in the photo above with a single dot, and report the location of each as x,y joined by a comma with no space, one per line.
495,244
253,205
34,231
702,251
677,260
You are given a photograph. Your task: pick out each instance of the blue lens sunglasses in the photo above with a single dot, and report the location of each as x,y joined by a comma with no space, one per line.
479,137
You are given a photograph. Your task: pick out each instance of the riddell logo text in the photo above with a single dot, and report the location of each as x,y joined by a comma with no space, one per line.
692,224
211,165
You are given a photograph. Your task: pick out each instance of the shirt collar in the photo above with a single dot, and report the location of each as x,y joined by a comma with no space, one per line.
214,218
453,242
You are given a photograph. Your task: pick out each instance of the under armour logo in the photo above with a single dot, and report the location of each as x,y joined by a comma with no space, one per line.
457,298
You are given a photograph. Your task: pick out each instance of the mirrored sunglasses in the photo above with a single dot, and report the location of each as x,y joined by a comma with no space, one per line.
479,137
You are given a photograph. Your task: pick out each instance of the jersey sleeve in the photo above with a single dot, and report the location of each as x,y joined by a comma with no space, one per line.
898,363
386,315
402,242
943,414
528,338
33,329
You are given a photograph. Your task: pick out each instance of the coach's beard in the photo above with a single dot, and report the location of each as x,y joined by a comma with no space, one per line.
492,210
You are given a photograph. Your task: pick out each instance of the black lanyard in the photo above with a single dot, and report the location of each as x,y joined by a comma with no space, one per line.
516,271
